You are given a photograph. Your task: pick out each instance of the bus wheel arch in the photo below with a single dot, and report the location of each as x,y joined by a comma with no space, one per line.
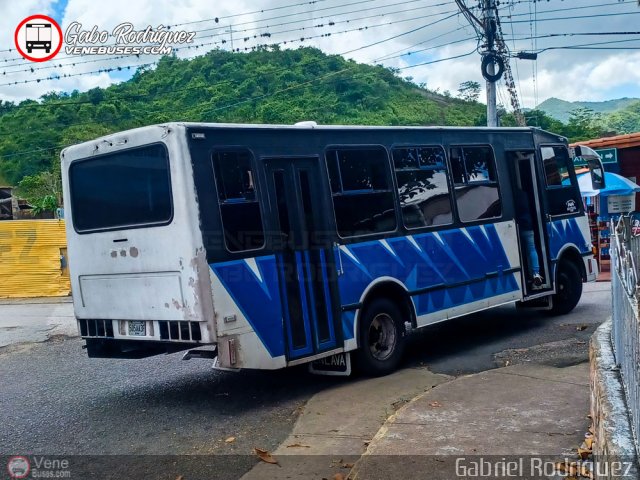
380,328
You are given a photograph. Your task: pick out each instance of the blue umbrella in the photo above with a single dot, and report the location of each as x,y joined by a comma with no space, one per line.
615,185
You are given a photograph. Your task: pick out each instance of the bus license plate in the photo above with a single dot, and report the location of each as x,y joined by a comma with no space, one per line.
137,328
338,364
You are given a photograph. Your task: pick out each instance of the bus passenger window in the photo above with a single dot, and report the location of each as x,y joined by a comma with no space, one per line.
239,207
476,183
361,188
423,189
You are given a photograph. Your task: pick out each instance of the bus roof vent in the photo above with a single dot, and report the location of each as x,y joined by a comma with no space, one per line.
306,123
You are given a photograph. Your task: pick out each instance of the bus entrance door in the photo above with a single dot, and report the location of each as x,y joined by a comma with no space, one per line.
537,280
306,268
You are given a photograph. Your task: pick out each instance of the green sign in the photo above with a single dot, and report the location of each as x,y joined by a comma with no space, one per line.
608,155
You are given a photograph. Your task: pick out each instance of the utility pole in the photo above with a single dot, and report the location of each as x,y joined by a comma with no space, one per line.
490,32
487,28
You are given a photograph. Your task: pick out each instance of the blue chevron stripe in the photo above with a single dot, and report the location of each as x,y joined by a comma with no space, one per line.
430,260
562,232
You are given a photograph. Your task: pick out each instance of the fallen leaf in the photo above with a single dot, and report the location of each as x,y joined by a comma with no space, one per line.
584,453
346,465
265,456
582,327
338,476
180,477
230,440
298,445
435,404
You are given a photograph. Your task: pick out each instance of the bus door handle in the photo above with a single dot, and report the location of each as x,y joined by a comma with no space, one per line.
339,255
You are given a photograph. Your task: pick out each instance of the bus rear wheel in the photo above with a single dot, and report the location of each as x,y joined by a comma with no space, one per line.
568,289
381,338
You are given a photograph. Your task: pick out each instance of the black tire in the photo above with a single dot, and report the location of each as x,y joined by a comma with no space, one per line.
492,58
568,288
373,358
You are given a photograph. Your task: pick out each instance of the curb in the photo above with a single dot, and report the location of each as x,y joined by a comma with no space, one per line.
612,427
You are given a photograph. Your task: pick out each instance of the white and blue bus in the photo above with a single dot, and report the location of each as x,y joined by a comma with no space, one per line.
267,246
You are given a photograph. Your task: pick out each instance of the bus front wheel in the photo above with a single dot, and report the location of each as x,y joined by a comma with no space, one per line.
568,288
381,338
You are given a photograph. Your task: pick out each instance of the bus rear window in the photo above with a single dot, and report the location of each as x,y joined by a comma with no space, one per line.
122,190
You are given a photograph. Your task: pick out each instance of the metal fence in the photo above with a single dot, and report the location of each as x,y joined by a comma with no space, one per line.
625,284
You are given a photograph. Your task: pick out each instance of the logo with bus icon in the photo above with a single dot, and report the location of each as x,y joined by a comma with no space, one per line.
18,467
38,38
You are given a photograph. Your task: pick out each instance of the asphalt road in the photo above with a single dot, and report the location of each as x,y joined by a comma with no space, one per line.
56,401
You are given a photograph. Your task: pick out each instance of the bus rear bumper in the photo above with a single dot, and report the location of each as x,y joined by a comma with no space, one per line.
140,339
131,349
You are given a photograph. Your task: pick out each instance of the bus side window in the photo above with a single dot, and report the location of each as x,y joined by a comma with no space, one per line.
562,194
476,183
239,207
423,189
362,193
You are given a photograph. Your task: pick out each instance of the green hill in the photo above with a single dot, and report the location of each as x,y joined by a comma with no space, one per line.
265,86
626,120
561,109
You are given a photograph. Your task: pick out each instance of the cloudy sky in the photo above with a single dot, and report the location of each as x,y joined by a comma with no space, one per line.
599,65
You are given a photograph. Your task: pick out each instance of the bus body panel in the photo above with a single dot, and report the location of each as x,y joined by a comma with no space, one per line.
157,274
248,313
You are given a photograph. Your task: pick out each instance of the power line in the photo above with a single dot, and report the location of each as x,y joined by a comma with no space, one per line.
574,17
23,61
582,7
148,64
75,63
573,34
438,61
590,46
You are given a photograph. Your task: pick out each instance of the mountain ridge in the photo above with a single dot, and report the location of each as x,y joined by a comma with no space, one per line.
561,109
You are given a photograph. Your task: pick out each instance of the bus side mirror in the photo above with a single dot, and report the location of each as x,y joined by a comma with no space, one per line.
594,162
597,173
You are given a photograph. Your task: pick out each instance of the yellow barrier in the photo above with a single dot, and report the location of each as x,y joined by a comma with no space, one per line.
30,259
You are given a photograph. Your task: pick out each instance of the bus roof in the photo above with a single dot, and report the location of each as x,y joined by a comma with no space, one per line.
92,147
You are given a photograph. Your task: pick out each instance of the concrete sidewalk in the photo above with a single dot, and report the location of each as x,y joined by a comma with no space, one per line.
524,410
35,320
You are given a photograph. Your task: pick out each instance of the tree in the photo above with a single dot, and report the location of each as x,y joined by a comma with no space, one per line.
584,124
43,190
469,91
